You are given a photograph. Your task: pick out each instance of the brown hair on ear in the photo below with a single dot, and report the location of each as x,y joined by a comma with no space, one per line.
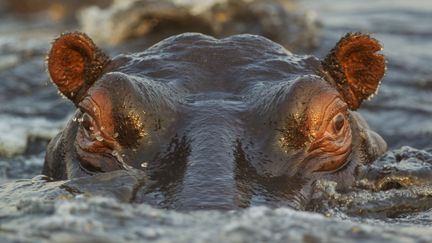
355,68
74,64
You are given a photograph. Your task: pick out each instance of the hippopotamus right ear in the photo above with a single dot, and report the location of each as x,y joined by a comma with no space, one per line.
355,68
74,64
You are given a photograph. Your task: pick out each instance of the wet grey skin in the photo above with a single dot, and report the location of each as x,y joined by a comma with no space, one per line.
214,124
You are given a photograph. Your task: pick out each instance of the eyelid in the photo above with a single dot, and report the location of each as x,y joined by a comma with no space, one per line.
88,133
339,107
88,105
333,118
87,116
99,135
335,107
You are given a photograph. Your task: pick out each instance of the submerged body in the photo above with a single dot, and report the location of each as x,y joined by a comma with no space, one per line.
216,123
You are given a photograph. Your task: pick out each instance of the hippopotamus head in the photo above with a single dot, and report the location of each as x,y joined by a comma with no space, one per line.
216,123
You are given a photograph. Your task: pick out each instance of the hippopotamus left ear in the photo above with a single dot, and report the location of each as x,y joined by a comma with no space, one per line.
355,68
74,64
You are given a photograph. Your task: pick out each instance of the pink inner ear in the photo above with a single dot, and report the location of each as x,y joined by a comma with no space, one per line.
66,67
74,64
356,67
363,67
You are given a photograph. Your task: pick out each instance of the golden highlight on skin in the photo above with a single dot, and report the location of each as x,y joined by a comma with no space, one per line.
137,124
323,131
293,134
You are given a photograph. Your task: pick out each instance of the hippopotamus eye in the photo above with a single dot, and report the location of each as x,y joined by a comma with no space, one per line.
338,123
87,122
89,128
332,147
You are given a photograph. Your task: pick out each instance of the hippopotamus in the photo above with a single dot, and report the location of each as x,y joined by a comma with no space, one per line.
216,123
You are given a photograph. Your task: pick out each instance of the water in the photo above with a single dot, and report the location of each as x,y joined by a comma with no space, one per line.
31,112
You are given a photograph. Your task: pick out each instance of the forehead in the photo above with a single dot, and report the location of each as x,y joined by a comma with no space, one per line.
198,63
244,78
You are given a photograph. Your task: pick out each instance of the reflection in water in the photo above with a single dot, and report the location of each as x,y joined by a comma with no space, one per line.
166,175
255,189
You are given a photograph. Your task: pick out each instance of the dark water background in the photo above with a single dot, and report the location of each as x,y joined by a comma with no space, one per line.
31,112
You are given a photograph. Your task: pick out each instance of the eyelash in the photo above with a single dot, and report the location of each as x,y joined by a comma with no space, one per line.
88,125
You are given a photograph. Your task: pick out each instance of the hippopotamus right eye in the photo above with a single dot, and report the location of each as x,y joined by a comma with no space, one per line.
87,123
96,125
91,140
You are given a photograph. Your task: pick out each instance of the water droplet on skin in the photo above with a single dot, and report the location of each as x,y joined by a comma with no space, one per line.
80,119
120,159
116,135
102,128
99,138
144,164
94,109
74,119
40,178
91,128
